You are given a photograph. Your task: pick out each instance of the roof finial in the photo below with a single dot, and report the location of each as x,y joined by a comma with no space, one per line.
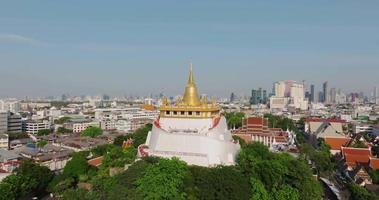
190,78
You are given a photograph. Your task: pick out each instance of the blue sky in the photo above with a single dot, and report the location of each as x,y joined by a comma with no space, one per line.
142,47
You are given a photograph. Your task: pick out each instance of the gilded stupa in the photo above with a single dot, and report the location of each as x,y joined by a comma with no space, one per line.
191,129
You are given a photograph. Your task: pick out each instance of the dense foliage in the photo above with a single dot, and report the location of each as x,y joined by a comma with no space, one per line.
63,130
359,193
29,179
43,132
17,135
164,180
280,122
234,119
321,157
138,137
92,132
277,173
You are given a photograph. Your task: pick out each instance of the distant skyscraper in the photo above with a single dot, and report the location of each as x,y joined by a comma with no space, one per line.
106,97
232,97
375,94
258,97
332,95
312,99
320,97
325,92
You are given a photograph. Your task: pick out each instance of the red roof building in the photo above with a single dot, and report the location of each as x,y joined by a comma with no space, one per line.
96,162
354,156
374,163
255,129
337,143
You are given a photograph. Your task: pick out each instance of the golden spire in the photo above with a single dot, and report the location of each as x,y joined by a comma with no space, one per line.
190,97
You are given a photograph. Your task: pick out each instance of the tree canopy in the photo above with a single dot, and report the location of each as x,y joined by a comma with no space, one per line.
43,132
234,119
28,179
92,132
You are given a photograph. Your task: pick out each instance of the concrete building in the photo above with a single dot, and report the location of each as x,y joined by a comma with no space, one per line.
4,141
80,125
3,121
14,122
33,126
325,92
10,105
258,96
288,94
312,94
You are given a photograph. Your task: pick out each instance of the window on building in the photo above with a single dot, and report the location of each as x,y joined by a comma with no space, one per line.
190,113
167,112
198,113
182,113
175,112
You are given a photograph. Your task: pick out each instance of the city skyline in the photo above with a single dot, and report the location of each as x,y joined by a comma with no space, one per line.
120,50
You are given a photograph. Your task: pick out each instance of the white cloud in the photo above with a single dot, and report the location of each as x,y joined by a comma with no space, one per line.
19,39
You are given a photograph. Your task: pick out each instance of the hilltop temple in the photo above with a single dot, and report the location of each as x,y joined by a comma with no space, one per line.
193,130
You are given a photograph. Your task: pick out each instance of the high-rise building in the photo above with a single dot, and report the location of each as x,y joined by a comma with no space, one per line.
258,96
3,121
288,93
325,92
14,122
232,97
312,97
332,95
320,97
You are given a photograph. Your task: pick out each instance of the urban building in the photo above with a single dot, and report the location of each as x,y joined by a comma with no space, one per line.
3,121
312,94
9,161
10,105
258,97
33,126
331,130
193,130
14,122
288,94
79,125
325,92
4,141
53,157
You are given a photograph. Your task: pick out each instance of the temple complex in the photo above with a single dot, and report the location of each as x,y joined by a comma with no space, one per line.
193,130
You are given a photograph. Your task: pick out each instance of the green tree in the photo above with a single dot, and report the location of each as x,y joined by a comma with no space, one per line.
77,166
217,183
28,179
41,144
359,193
139,136
63,130
163,180
374,174
92,132
258,190
234,119
286,193
43,132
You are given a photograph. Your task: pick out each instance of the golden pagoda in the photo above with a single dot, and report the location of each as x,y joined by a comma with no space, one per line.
190,106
